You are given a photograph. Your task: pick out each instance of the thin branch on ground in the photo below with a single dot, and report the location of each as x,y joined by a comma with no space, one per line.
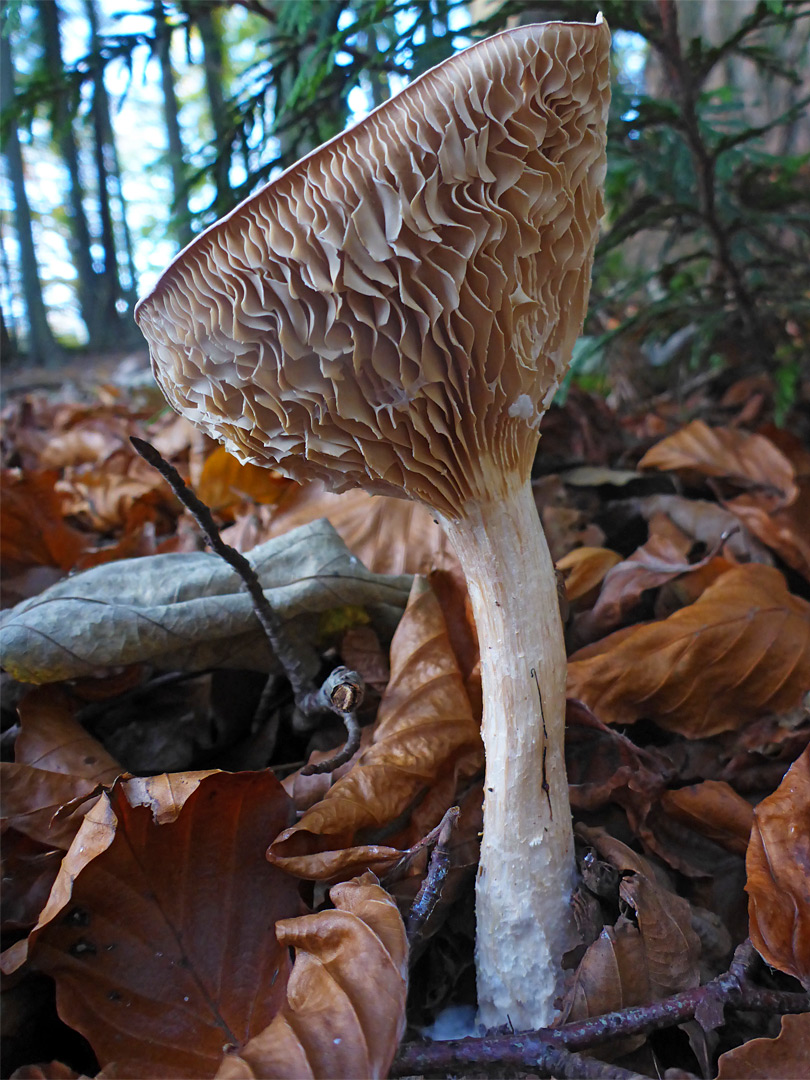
431,889
733,989
342,693
270,622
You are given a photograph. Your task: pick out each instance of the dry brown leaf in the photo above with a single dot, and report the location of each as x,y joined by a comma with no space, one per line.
741,650
344,1012
584,569
225,482
425,732
705,522
655,563
604,765
160,937
746,460
32,529
785,529
778,867
57,762
786,1057
389,536
612,975
51,738
54,1070
714,809
670,946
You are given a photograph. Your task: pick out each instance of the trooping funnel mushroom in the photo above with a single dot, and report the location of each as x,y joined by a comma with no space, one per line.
395,312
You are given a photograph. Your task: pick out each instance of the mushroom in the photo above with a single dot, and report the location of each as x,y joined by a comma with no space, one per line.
395,312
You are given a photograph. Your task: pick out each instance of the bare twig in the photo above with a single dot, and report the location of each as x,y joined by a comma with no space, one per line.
732,989
348,750
270,622
342,693
431,888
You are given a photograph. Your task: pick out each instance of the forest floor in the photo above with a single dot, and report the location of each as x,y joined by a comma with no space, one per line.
164,840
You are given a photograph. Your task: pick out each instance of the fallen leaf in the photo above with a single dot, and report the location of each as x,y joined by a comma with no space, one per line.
389,536
54,1070
225,482
29,871
786,1057
741,650
57,762
51,738
748,461
344,1012
655,563
778,867
425,733
706,523
160,937
188,611
669,946
784,529
584,569
714,809
32,527
604,765
612,975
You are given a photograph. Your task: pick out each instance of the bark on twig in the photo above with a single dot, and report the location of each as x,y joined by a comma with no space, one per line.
431,888
733,989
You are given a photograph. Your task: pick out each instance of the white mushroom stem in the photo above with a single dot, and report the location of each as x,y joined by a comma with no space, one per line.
526,872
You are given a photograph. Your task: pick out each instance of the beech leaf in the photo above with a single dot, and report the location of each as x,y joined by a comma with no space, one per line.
425,731
713,809
778,867
344,1012
188,611
786,1057
741,650
747,460
622,969
389,536
160,937
584,569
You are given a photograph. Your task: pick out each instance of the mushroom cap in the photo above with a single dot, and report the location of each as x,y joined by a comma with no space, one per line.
396,310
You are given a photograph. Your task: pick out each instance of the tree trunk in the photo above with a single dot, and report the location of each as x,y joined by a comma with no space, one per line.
213,67
181,223
64,137
115,300
42,348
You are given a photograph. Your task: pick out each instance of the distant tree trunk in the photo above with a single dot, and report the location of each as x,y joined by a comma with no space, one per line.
42,348
108,286
115,299
64,137
181,223
7,346
213,66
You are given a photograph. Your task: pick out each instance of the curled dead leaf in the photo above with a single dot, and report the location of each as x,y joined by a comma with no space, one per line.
713,809
741,650
746,460
584,569
778,867
424,738
344,1012
787,1056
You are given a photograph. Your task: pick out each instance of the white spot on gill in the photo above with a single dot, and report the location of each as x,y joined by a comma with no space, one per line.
523,408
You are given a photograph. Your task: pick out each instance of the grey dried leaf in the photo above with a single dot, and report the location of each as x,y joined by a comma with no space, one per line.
190,611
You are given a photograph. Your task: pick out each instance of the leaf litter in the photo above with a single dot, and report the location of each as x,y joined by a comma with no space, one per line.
173,899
